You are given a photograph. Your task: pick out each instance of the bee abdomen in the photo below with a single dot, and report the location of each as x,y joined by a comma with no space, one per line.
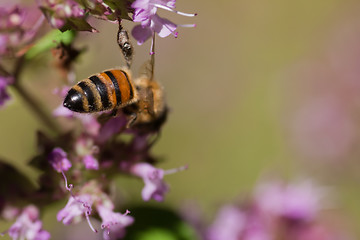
123,87
99,92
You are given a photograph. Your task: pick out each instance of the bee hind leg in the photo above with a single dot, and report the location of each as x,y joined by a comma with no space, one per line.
132,120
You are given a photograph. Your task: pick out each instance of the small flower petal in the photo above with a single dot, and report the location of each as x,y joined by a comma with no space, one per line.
90,162
113,222
141,34
58,160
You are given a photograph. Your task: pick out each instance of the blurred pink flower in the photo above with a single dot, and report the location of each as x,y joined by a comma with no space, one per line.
90,162
323,129
298,201
59,11
85,148
28,226
59,161
18,26
229,224
75,208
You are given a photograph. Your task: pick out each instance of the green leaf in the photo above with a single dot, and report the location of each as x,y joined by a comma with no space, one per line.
120,6
50,40
158,223
77,24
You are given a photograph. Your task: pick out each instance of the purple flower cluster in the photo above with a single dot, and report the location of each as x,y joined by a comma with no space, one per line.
94,149
59,11
277,211
18,27
151,22
28,226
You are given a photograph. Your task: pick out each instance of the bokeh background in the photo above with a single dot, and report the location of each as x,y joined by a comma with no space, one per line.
257,88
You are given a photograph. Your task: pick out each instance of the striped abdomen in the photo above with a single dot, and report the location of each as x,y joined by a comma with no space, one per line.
102,91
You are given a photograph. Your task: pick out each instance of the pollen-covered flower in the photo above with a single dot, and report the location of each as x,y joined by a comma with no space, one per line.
113,223
58,160
28,226
4,82
151,23
155,187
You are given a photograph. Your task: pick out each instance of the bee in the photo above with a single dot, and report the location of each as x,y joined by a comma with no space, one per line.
141,99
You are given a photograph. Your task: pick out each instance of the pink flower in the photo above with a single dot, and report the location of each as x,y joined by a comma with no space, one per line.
85,149
113,222
18,26
28,226
151,23
155,187
324,128
90,162
58,160
58,11
74,209
229,224
299,201
111,128
89,122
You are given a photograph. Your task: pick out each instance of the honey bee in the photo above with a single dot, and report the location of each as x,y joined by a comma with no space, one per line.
141,100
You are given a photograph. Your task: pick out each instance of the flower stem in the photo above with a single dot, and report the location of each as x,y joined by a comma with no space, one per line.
35,107
29,99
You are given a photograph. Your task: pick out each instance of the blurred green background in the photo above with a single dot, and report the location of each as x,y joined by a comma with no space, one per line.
229,86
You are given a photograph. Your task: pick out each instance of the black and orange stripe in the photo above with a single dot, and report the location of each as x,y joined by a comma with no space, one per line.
102,91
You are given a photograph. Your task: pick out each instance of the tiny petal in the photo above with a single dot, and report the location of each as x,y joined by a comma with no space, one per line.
90,162
163,27
58,160
111,128
113,222
141,34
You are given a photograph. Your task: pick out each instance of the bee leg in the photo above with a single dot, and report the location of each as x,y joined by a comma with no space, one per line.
124,43
114,113
104,117
154,140
131,120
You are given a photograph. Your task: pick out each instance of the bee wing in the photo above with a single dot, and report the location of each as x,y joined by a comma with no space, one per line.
147,68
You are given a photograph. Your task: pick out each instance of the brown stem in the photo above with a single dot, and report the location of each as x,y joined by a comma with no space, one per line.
35,107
